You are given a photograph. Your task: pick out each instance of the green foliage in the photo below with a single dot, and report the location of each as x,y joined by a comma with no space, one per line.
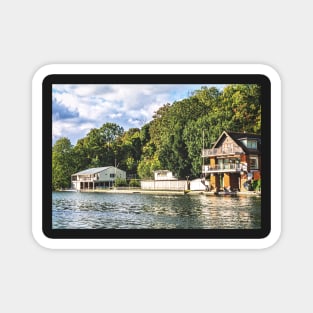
62,164
147,166
129,150
145,134
99,147
134,183
173,153
196,135
256,185
120,182
242,107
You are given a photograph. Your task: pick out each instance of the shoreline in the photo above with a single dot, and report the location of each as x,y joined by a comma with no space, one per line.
169,192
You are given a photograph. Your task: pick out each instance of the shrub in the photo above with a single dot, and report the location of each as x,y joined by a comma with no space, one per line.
256,185
120,182
134,183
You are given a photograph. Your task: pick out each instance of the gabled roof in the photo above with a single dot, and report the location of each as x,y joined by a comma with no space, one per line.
91,171
238,137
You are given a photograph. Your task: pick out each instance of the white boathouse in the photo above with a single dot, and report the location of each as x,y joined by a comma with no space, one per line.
96,178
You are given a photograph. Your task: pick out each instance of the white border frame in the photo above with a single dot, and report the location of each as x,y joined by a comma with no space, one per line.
155,243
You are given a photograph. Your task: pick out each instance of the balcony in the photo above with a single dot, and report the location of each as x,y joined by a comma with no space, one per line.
223,168
221,151
84,178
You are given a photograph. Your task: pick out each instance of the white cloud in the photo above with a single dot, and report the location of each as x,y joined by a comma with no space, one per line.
127,105
70,129
135,122
115,115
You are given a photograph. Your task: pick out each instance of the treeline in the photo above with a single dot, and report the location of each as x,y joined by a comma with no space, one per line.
172,140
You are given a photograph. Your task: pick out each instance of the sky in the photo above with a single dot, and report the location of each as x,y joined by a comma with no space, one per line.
78,108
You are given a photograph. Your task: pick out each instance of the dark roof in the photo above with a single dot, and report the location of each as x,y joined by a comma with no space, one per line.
238,136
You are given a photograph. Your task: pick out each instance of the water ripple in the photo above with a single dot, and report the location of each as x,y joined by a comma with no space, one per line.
127,211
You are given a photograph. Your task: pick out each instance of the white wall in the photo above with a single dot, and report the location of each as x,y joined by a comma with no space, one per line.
76,185
164,184
196,184
105,175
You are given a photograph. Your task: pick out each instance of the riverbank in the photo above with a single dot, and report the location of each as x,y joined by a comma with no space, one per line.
171,192
137,191
233,193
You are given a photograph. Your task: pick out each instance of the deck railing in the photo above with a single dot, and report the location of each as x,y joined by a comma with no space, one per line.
84,178
221,151
231,167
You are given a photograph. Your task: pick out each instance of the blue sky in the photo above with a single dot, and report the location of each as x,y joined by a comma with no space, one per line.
78,108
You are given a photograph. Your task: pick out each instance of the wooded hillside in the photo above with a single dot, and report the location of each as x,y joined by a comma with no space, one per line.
172,140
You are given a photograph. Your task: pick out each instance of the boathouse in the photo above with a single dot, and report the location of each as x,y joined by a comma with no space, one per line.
96,178
163,175
233,162
164,180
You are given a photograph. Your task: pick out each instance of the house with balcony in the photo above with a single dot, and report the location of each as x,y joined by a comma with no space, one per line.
233,161
96,178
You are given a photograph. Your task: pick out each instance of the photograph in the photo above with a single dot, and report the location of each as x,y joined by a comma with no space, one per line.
156,156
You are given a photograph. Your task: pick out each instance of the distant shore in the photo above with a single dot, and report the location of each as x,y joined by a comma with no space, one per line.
169,192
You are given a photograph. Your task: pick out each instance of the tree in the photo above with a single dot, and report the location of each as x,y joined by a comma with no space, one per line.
63,165
129,150
242,107
99,147
173,153
147,166
197,134
145,134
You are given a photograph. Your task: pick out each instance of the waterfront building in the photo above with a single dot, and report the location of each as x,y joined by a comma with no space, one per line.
233,162
164,180
163,175
96,178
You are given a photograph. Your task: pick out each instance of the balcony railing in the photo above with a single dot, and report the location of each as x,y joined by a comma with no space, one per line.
220,151
84,178
231,167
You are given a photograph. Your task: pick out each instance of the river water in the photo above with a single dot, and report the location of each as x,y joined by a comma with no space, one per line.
74,210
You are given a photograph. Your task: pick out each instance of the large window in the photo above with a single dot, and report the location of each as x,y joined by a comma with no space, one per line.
250,144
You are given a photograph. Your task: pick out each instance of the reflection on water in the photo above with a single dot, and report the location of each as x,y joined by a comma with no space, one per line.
72,210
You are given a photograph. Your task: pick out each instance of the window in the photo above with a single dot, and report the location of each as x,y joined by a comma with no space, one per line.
252,144
112,175
220,164
226,163
254,163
